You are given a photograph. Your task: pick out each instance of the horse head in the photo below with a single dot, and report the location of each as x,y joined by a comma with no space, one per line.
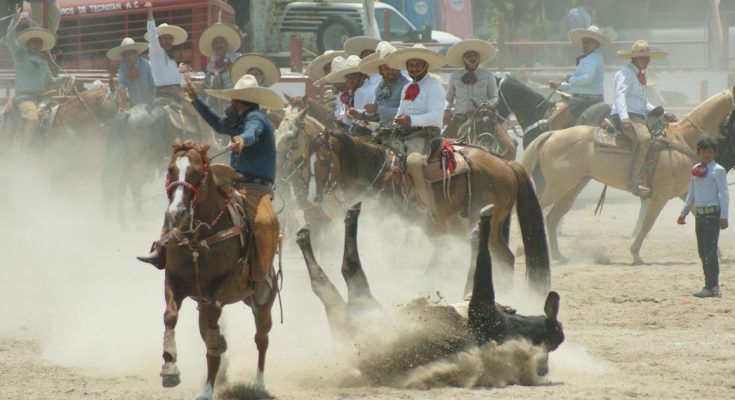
324,166
292,143
186,182
514,97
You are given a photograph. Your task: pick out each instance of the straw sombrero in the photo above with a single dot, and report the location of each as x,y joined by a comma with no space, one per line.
341,67
398,59
127,44
641,49
46,36
354,46
593,32
315,69
369,65
456,51
177,32
227,32
243,64
247,89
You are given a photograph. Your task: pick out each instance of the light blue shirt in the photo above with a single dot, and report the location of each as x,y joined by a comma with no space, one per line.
709,191
225,74
589,78
141,90
630,95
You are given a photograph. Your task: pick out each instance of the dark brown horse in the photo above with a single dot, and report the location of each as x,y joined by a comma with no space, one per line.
339,160
205,260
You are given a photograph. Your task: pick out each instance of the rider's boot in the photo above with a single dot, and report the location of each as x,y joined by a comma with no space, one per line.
422,188
157,255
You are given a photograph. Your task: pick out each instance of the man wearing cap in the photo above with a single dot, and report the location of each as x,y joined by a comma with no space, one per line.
630,108
32,73
388,90
420,113
253,158
357,95
135,79
586,84
471,86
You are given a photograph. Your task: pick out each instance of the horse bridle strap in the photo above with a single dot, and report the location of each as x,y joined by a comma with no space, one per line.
170,186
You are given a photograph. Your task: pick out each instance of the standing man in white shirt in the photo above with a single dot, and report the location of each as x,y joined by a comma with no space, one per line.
630,108
421,112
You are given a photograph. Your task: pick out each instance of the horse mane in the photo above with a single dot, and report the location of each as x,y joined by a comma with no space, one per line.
537,102
356,158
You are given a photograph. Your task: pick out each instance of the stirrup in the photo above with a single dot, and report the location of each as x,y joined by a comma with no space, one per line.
641,191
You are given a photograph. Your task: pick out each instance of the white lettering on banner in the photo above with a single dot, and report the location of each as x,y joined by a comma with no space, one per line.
82,9
66,11
129,6
105,7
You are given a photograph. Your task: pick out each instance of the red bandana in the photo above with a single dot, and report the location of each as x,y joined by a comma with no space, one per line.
221,63
642,78
345,98
412,91
133,74
699,170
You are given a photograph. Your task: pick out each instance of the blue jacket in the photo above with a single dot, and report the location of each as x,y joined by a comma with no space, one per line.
258,158
589,77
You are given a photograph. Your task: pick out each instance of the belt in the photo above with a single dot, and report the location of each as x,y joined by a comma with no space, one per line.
242,178
429,129
706,210
587,96
168,89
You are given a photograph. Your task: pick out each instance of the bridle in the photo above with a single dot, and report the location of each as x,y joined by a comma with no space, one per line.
170,186
301,126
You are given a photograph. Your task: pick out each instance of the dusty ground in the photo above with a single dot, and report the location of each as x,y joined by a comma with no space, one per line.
81,319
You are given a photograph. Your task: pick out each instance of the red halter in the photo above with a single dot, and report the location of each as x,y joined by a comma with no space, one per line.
170,186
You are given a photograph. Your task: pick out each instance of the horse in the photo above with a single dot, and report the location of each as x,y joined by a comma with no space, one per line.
339,160
205,260
563,162
531,108
481,129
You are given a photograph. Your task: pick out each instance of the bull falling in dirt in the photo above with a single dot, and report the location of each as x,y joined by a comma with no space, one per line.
425,334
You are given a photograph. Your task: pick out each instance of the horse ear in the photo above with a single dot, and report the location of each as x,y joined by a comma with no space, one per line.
205,149
289,99
302,114
551,308
177,143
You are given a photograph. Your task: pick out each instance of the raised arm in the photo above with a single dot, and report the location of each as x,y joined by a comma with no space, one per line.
154,47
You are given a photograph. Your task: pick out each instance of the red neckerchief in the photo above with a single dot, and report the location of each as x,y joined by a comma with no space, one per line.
699,170
642,78
412,91
346,98
133,74
221,63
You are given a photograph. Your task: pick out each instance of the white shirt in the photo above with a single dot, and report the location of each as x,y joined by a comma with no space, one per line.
165,70
428,107
630,95
709,190
363,96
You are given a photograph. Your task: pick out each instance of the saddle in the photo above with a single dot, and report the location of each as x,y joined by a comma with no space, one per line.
176,113
47,111
609,138
445,162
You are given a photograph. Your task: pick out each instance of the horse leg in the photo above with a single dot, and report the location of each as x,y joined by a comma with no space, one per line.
216,345
641,214
655,205
553,218
359,297
333,303
169,371
263,325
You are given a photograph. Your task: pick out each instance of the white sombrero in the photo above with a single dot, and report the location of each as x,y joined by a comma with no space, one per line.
247,89
641,49
593,32
341,67
370,64
398,59
227,32
177,32
456,51
47,37
315,69
127,44
241,66
354,46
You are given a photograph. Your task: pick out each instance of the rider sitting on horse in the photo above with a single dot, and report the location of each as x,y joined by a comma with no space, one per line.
420,112
253,158
388,92
631,107
220,42
135,79
357,95
471,86
32,73
586,84
363,46
260,66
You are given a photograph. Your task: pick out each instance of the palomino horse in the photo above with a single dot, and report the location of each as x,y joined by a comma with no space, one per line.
356,166
569,158
530,107
205,260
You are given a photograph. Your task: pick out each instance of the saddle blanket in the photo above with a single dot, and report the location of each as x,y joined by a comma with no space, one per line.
436,168
616,142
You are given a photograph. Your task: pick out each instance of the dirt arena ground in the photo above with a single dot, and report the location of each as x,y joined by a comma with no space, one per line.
81,319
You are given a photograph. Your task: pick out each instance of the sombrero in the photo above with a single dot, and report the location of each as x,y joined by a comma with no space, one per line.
227,32
398,59
456,51
247,89
127,44
641,49
354,46
341,67
369,65
241,66
315,69
593,32
46,36
178,33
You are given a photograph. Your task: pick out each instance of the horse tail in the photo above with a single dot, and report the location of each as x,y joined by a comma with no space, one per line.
531,158
531,219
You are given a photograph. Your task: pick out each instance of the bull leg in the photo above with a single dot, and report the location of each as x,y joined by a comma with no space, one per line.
481,313
499,248
170,375
333,303
358,289
209,315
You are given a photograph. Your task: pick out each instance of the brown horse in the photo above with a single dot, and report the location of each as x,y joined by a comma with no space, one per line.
339,160
205,260
87,108
563,162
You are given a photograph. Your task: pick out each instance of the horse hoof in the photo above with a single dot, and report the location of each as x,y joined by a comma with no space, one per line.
170,375
638,261
170,381
560,259
303,236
